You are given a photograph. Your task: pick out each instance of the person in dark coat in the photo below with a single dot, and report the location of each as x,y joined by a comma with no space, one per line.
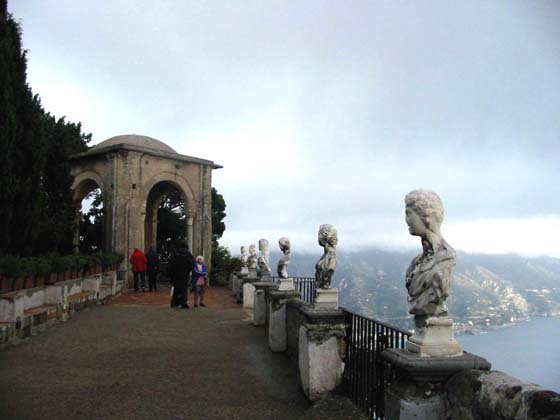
179,271
153,268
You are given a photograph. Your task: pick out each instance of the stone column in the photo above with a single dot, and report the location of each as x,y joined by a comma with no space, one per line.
190,224
277,338
76,237
260,305
321,351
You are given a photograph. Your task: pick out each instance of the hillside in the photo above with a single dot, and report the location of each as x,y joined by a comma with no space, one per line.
487,290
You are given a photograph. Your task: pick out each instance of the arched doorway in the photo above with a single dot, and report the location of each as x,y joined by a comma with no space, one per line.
167,222
90,227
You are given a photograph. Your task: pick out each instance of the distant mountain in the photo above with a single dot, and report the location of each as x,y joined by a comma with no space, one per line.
486,290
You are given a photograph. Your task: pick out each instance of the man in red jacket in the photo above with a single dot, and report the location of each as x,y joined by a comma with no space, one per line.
138,262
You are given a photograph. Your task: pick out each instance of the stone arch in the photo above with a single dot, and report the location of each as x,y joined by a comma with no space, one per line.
84,183
126,168
178,181
149,209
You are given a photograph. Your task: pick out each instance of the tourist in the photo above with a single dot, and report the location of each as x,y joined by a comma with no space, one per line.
153,267
179,270
138,262
199,281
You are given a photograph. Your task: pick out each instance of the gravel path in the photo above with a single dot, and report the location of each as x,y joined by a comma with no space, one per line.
141,362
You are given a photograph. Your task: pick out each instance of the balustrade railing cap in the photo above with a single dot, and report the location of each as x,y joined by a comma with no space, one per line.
284,294
433,368
316,316
264,284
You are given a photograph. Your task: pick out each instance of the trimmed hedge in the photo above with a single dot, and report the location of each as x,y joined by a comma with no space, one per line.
12,266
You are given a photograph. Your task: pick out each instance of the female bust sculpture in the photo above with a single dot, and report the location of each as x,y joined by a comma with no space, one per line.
265,256
324,269
243,256
284,244
428,276
252,260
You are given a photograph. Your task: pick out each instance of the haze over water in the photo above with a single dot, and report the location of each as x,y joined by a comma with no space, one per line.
528,351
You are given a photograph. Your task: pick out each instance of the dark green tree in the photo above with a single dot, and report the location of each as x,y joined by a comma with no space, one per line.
218,215
172,222
36,211
12,89
58,211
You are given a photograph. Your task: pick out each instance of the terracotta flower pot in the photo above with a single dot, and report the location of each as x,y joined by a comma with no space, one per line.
50,278
39,281
18,283
29,282
5,284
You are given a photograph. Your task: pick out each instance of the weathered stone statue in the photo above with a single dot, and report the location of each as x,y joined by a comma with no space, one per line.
428,277
264,259
243,256
324,269
284,244
252,260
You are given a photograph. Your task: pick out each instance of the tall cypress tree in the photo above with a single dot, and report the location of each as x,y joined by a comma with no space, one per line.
12,60
36,209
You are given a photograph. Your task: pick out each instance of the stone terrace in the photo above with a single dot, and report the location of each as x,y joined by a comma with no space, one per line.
137,358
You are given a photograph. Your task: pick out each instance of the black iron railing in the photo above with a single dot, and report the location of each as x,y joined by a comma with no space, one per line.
366,375
304,285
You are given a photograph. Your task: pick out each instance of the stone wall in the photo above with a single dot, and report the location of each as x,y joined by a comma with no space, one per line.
26,312
294,320
494,395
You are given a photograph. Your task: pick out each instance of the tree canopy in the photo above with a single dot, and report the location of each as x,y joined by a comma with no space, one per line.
36,210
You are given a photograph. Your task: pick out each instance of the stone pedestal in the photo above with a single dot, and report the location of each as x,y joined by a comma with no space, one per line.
321,351
238,287
260,305
418,391
277,338
266,276
286,284
244,271
249,292
326,299
433,336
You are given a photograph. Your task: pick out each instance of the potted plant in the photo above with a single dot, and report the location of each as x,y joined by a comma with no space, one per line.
13,272
42,267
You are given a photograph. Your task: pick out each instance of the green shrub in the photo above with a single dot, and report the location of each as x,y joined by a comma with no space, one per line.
42,266
12,266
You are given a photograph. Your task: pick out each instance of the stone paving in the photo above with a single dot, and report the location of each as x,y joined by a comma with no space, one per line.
216,297
136,358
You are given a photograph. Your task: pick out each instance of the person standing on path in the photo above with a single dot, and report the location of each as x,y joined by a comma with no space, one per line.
199,281
138,262
153,268
179,270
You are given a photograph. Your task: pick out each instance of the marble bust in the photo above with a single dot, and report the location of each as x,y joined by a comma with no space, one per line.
428,276
264,259
324,269
252,260
243,256
284,244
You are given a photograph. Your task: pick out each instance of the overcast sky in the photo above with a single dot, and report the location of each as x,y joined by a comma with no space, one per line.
327,111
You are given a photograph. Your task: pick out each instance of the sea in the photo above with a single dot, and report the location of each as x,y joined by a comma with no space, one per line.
529,350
